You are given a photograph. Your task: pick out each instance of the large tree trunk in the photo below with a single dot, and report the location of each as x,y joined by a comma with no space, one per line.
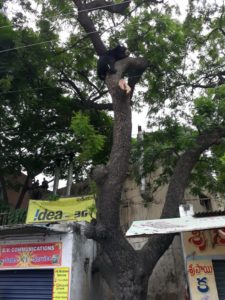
126,273
69,179
56,177
123,268
23,192
131,288
4,190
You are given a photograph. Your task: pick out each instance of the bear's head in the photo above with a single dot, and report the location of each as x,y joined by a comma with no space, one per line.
120,52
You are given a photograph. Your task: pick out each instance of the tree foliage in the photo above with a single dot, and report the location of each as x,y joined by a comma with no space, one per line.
38,101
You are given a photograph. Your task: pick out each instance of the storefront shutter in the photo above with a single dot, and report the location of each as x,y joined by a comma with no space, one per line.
219,270
26,285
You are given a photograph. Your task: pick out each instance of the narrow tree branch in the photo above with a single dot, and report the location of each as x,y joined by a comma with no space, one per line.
66,79
98,96
93,105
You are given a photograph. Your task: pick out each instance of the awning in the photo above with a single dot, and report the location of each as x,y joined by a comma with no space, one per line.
174,225
32,229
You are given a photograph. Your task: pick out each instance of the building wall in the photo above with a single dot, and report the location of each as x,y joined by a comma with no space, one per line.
84,251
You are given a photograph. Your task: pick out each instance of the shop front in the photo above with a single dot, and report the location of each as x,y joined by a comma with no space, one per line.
204,253
47,262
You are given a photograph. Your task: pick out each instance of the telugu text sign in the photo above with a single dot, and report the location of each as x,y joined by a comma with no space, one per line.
201,280
30,255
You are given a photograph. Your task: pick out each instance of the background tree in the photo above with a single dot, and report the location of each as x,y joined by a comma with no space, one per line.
37,107
181,64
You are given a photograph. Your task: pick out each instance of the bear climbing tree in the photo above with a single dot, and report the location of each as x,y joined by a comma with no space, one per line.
106,62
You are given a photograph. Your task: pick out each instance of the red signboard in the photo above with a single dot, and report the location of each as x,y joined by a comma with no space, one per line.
30,255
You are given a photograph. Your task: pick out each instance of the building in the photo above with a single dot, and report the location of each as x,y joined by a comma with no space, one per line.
46,262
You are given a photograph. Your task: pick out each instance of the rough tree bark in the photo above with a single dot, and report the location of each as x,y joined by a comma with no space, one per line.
127,271
24,189
4,190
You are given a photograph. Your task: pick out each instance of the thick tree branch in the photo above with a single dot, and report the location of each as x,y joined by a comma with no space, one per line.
158,244
88,104
89,27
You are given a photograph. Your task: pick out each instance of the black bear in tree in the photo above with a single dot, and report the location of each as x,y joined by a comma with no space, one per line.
106,62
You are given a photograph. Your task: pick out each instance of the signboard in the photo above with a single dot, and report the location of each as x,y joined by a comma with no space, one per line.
66,209
201,280
174,225
61,284
204,242
30,255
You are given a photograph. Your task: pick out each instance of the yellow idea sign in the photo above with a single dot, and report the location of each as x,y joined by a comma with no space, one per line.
64,209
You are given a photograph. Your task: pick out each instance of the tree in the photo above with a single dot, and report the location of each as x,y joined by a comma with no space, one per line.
178,59
127,271
36,112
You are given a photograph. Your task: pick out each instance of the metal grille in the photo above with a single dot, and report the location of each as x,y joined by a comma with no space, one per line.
219,270
26,285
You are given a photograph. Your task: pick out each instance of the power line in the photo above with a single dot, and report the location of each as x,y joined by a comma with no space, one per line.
28,90
39,43
57,130
49,41
5,26
103,6
85,35
82,10
26,46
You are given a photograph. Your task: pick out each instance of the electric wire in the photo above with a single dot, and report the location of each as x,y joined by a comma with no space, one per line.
29,90
44,42
26,46
79,11
49,41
